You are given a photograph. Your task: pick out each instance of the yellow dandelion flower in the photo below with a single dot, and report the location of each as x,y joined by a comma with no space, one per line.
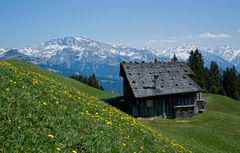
74,151
109,123
50,136
58,149
44,103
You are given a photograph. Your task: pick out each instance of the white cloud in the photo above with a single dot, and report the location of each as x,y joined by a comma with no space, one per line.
189,37
152,40
209,35
168,41
162,41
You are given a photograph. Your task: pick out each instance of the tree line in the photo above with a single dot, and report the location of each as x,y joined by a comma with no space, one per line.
91,80
212,79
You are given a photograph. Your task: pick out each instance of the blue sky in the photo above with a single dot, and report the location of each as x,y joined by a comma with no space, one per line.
136,23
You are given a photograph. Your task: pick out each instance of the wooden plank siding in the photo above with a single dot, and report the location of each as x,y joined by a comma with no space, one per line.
163,105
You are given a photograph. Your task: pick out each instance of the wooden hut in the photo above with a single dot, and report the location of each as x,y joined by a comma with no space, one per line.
162,89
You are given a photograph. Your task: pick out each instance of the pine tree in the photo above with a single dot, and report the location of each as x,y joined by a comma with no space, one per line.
196,63
215,79
101,88
231,83
174,59
91,80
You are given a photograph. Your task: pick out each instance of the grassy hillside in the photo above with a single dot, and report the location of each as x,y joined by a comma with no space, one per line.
41,111
59,78
217,130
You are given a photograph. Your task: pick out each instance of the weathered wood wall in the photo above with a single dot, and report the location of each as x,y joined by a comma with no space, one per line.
129,97
163,105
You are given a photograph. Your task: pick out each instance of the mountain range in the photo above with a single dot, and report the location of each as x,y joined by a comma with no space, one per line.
71,55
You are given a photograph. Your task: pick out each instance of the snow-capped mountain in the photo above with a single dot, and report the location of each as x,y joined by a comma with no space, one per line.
2,50
226,52
182,53
70,55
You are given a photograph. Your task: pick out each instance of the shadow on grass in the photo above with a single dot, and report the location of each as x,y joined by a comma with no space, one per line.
118,102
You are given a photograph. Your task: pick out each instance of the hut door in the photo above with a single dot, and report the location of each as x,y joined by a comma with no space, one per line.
149,104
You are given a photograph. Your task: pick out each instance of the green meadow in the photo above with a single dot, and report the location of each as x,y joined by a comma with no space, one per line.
216,130
41,111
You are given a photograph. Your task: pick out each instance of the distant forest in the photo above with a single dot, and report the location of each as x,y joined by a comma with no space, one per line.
91,80
213,80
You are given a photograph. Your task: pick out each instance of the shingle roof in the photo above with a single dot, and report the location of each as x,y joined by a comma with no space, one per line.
158,78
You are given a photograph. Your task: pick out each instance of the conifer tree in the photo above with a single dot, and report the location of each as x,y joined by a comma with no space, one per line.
91,80
215,79
196,63
174,59
231,83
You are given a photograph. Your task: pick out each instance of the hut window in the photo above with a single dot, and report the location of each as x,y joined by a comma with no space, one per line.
199,95
149,103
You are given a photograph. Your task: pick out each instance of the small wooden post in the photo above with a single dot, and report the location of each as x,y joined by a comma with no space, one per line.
164,110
